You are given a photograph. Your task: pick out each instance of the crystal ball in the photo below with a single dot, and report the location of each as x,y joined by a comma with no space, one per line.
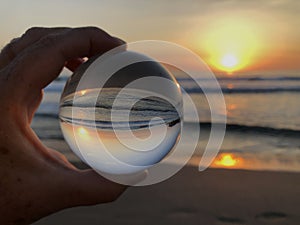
121,112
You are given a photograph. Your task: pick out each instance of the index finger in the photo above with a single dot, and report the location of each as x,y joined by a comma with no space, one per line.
17,45
38,65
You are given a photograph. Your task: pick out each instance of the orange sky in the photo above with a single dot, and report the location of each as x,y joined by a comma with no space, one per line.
250,35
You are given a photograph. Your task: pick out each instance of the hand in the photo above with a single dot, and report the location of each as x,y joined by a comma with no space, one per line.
36,181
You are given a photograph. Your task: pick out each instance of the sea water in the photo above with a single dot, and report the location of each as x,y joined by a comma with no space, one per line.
262,111
119,137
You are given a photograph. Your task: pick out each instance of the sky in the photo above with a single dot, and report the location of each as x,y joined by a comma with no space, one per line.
229,35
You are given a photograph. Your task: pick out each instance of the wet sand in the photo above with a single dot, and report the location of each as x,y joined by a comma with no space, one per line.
215,196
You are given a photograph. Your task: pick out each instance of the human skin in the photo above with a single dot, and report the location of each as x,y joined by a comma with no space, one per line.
35,180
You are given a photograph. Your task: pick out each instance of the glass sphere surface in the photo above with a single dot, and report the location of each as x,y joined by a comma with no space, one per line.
121,113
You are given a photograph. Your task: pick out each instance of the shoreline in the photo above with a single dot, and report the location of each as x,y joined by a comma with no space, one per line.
245,161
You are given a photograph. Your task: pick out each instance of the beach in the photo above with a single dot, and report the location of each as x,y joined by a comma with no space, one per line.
215,196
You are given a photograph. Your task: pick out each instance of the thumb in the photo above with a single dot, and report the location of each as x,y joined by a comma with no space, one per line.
90,188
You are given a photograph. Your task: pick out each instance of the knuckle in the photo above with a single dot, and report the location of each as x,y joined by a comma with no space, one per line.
93,30
33,30
15,40
9,50
49,40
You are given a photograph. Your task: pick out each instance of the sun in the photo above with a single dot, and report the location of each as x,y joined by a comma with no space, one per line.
229,61
230,44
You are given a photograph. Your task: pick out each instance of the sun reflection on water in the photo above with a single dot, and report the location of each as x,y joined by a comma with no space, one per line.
227,160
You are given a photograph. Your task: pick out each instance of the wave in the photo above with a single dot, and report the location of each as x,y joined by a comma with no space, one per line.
46,115
247,78
229,85
242,85
254,129
237,90
197,90
120,125
259,78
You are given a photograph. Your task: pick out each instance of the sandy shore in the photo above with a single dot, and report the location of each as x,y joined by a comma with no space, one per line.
216,196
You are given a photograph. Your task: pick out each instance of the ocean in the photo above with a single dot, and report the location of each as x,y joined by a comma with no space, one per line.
263,123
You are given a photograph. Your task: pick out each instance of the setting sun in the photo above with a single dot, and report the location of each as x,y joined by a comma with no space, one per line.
231,44
229,61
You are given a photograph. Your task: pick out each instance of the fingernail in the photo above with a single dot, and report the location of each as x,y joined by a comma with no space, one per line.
140,176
